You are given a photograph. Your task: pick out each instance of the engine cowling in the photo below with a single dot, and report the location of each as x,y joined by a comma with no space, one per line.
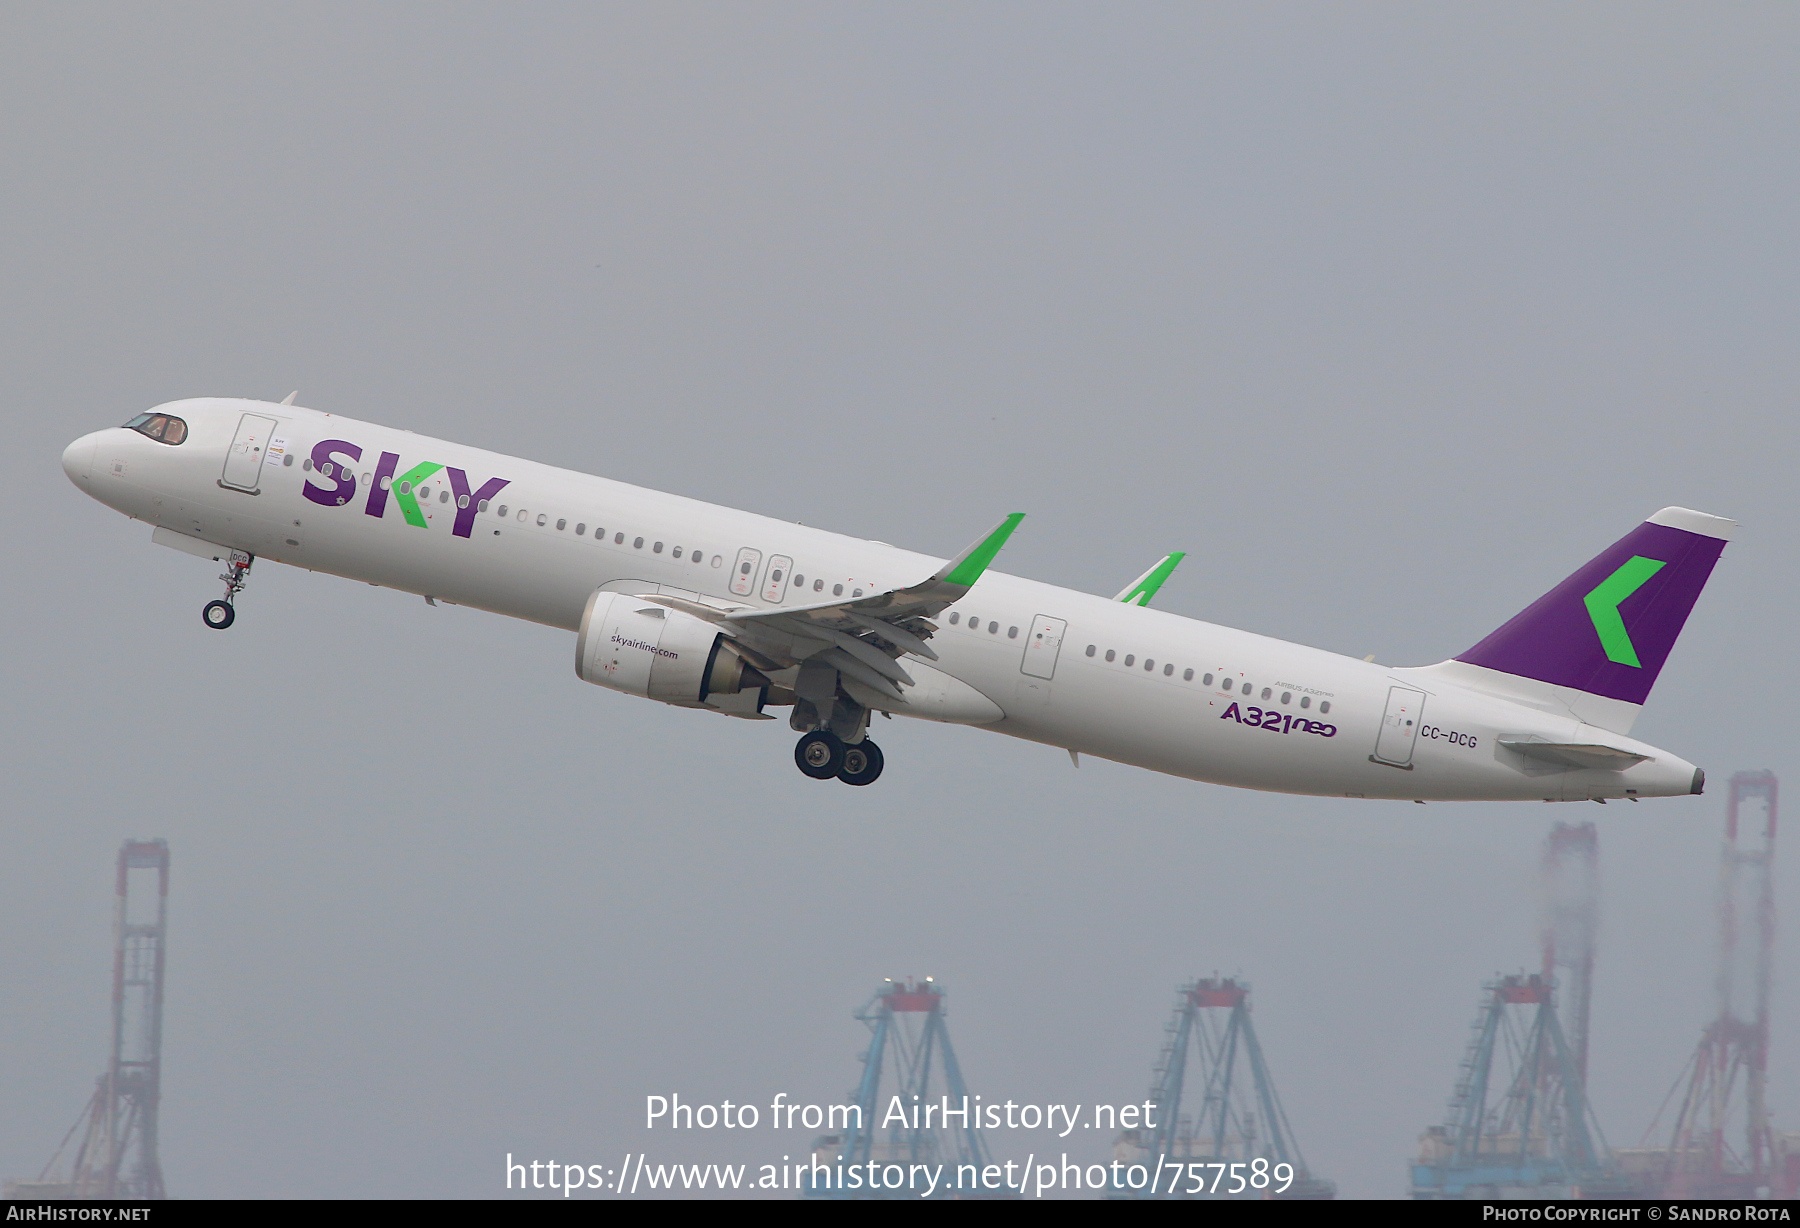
641,648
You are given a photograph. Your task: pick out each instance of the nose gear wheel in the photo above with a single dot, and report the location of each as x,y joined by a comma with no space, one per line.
222,613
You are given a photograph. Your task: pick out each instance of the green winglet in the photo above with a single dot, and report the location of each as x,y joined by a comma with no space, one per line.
1144,588
968,566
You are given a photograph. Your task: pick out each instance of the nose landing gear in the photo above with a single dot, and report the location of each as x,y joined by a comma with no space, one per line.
222,613
822,755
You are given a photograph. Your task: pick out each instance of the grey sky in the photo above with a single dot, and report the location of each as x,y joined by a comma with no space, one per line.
1390,316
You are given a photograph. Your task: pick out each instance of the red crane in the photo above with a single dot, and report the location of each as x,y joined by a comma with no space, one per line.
1721,1144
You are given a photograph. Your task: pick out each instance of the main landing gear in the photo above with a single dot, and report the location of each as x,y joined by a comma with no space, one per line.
222,613
821,754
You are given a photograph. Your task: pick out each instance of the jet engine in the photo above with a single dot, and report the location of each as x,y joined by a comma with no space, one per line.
641,648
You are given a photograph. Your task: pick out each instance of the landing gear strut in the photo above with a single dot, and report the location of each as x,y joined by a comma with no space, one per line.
222,613
821,755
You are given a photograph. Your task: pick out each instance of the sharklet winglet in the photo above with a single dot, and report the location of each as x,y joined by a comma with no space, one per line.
966,568
1142,589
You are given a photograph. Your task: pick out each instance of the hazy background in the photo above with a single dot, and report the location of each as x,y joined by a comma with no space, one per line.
1390,315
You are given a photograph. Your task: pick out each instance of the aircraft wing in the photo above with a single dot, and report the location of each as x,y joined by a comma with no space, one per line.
861,637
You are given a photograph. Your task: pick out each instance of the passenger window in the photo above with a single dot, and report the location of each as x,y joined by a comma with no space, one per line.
287,462
1012,633
1149,665
818,586
955,618
993,626
599,534
405,487
483,506
561,524
1168,671
856,592
837,590
675,553
581,530
618,539
502,512
462,501
522,512
444,497
1324,706
326,469
1225,685
637,543
1206,680
1266,692
656,549
1130,658
542,518
718,560
1286,696
387,481
1090,651
1306,701
800,582
1109,655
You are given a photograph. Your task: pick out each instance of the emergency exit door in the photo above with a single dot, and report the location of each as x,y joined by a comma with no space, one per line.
1042,647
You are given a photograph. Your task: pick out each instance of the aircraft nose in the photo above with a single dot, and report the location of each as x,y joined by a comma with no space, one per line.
78,457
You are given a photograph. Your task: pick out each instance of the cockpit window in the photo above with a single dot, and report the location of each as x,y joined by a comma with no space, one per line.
160,427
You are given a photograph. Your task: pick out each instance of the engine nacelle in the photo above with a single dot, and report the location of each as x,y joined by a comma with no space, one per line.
641,648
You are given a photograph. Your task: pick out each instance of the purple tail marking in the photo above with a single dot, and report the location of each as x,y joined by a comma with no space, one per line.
1555,639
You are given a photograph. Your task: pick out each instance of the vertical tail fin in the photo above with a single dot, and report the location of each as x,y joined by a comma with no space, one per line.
1607,629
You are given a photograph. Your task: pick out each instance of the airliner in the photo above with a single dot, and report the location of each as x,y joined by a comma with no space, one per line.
733,613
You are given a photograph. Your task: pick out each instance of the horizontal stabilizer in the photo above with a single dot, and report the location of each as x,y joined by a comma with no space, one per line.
1576,754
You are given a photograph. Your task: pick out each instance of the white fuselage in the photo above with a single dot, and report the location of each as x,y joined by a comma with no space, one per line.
1129,683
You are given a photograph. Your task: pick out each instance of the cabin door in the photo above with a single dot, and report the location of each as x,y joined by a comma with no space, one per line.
243,464
1399,727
